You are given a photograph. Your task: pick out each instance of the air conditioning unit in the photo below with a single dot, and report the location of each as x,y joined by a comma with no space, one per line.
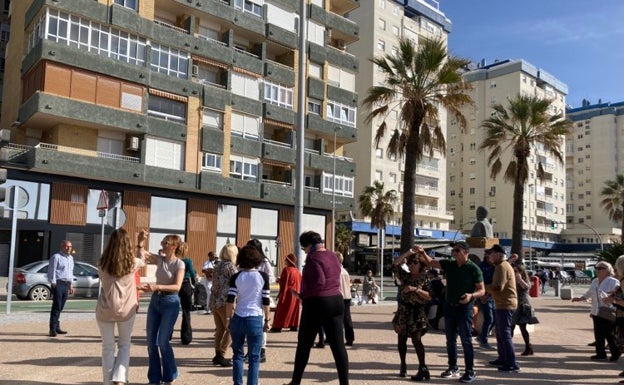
195,70
340,44
132,143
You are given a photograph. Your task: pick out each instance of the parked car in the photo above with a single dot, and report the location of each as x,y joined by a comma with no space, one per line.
31,281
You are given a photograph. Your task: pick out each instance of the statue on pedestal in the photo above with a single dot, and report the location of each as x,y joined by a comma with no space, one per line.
483,227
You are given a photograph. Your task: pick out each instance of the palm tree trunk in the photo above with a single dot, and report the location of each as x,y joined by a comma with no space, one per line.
518,213
409,190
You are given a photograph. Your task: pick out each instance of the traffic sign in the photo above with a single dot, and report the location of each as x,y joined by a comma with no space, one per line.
103,201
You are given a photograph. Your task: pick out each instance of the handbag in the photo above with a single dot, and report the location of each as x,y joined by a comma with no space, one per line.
606,313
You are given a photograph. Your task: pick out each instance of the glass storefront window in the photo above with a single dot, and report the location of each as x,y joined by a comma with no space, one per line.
37,204
168,213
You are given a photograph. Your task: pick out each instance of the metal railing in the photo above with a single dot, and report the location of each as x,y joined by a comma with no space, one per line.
170,26
79,151
219,42
277,143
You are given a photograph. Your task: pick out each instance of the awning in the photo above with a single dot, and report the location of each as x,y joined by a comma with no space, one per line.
168,95
278,124
277,163
246,72
210,62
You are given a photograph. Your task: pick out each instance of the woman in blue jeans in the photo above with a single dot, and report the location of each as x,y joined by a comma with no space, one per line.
164,307
249,287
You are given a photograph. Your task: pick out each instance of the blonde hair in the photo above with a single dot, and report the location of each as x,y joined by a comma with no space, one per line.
619,265
229,253
182,250
340,257
117,258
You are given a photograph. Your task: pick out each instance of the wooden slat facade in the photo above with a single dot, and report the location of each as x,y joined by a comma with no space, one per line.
68,204
137,207
201,225
243,225
286,232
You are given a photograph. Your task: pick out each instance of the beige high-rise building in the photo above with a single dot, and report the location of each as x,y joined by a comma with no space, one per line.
593,156
386,22
469,181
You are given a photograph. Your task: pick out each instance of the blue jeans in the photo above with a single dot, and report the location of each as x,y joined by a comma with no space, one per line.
250,328
162,314
487,309
504,343
458,318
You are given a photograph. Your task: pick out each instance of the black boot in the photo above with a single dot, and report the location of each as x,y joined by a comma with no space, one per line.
262,355
423,374
403,370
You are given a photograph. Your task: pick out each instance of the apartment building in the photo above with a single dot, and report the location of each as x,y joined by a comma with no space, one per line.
389,20
593,156
469,182
184,112
5,26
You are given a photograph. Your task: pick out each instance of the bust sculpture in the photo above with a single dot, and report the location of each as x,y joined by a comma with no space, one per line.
483,227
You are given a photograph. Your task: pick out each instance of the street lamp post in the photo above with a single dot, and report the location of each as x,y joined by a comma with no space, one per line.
333,212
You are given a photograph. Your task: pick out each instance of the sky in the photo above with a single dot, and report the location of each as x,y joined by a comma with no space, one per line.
580,42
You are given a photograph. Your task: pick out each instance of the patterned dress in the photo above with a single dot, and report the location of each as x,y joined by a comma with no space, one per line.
524,313
411,316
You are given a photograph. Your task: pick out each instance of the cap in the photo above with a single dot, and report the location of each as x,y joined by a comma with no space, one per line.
461,244
496,249
208,265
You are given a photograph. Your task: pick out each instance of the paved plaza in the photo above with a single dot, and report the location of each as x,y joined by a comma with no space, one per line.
29,357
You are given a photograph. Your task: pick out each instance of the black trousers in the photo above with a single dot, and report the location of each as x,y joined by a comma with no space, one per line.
603,330
348,322
60,293
186,303
327,312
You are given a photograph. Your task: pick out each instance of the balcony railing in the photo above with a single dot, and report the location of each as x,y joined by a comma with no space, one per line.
224,44
285,66
276,182
79,151
246,52
170,26
277,143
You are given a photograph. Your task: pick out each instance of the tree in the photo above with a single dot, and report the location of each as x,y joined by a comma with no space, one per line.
512,132
379,206
611,253
419,81
344,236
613,199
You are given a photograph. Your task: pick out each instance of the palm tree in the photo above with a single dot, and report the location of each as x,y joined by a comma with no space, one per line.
613,199
344,236
419,81
512,132
611,253
379,206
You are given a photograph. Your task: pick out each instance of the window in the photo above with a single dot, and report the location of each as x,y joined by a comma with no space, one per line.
396,10
315,70
393,177
93,197
164,153
344,185
244,168
471,191
382,4
38,204
379,153
339,113
111,142
395,50
278,94
169,61
395,30
381,45
213,119
248,6
5,29
341,78
84,34
166,109
379,175
211,162
314,106
316,33
247,126
132,4
245,85
381,23
167,213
